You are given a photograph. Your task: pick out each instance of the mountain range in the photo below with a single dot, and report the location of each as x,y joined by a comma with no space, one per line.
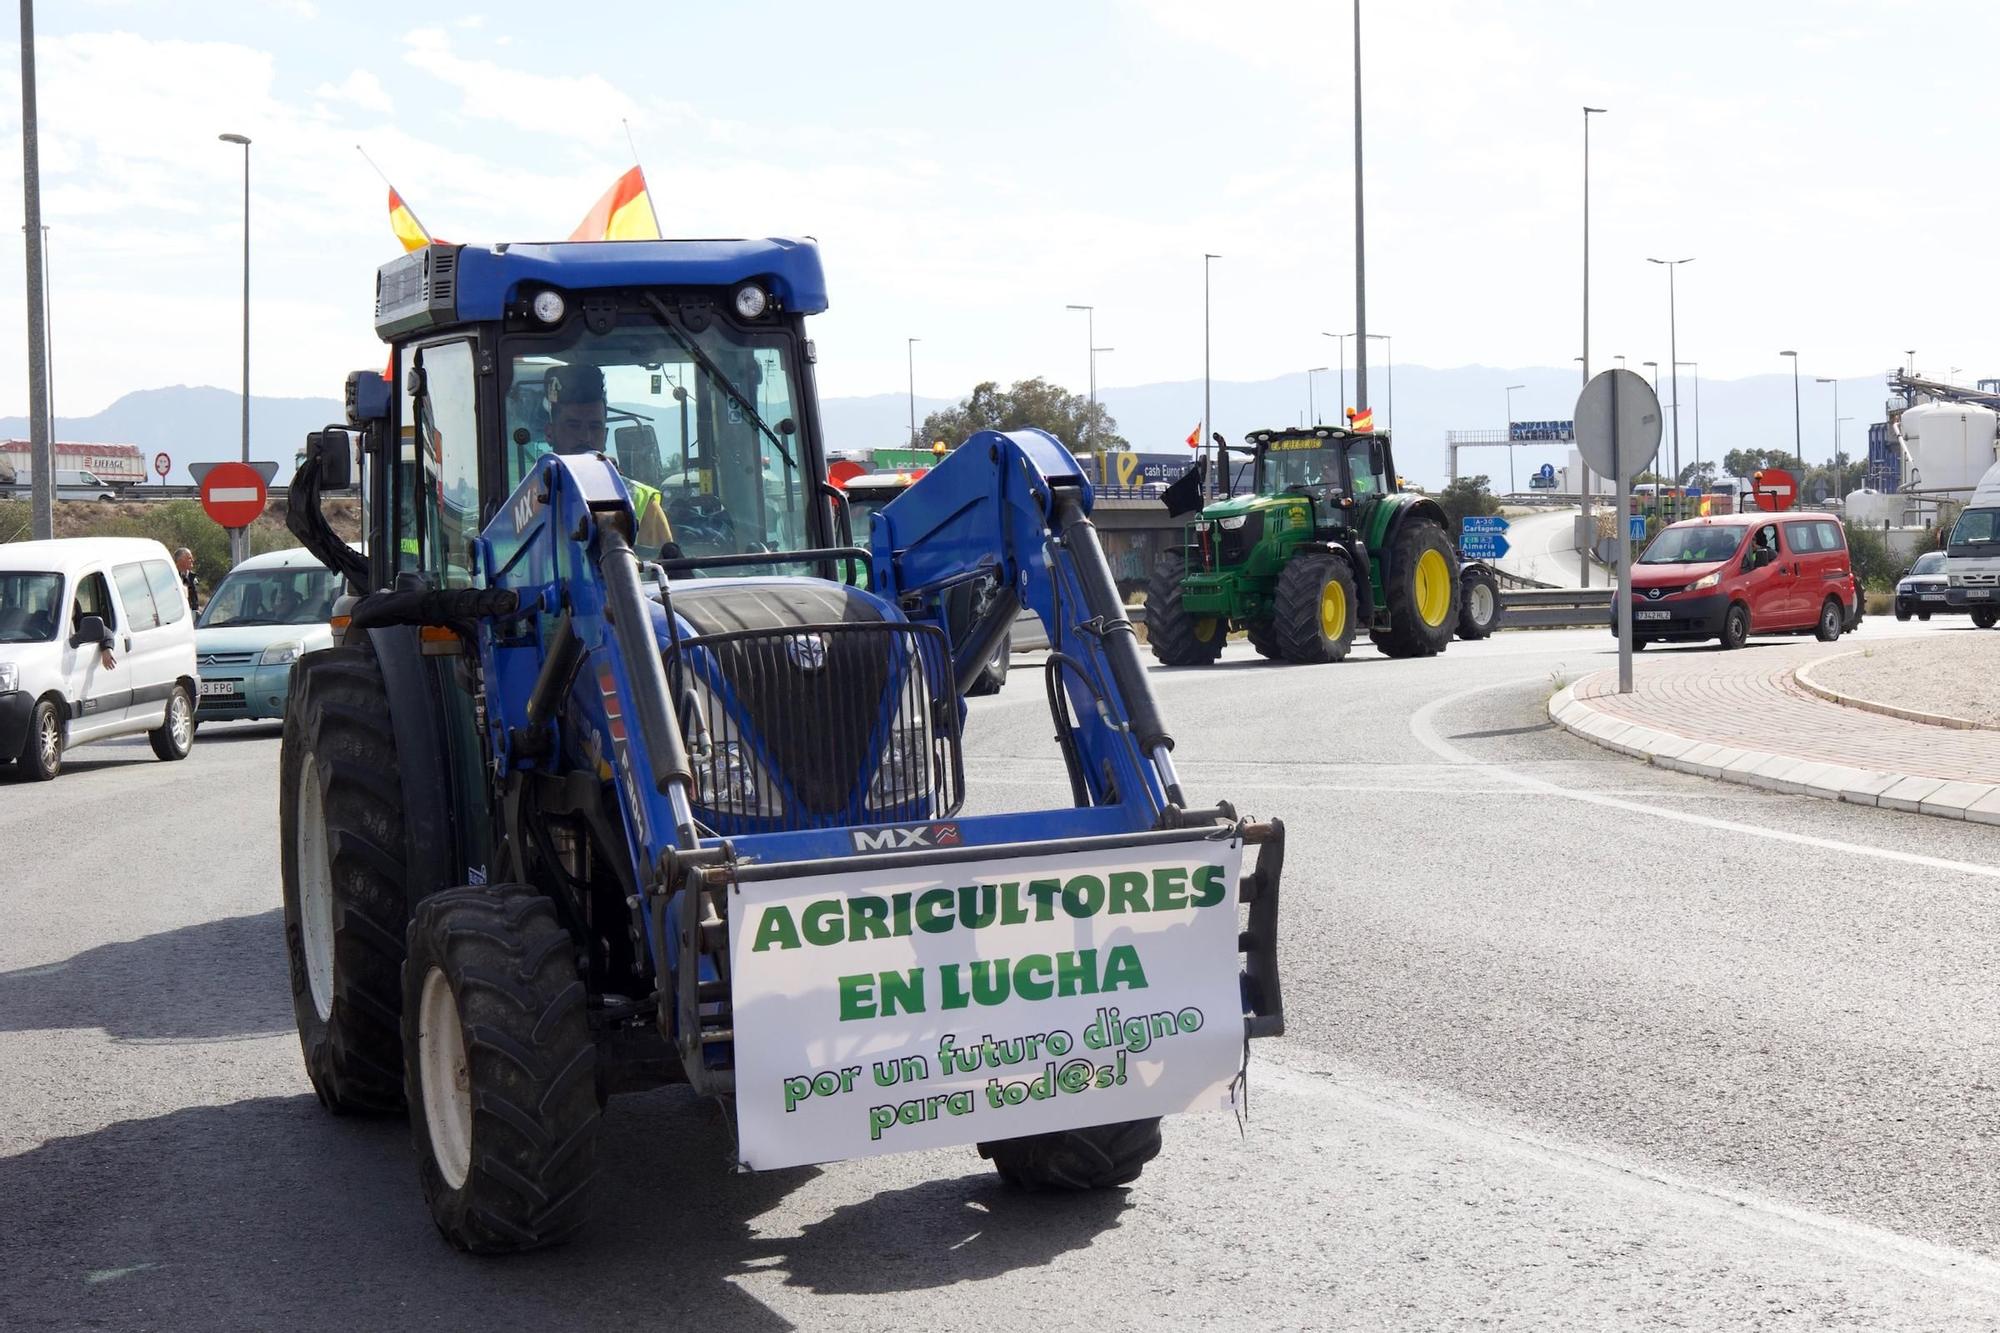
1418,404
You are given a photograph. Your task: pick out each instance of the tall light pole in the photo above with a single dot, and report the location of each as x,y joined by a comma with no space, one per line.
1312,407
240,537
1583,468
1090,342
1340,416
1673,366
1360,246
1695,366
1839,472
910,350
48,323
1510,435
1798,435
1207,402
1834,461
42,497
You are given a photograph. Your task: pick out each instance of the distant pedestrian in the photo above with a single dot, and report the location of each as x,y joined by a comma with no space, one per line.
184,562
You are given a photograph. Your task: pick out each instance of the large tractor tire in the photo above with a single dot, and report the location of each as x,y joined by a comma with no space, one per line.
340,802
1077,1159
1478,603
1315,608
501,1067
1422,593
1178,638
1263,636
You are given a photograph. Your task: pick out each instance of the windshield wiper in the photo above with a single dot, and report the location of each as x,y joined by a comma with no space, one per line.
714,372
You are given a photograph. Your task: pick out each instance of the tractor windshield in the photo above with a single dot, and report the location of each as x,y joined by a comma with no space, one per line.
700,411
1314,463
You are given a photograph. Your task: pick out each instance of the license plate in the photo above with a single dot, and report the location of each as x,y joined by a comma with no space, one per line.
209,687
1979,595
1930,597
1652,615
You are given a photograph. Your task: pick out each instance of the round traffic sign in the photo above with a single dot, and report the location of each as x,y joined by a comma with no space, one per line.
1775,489
162,465
233,494
1618,424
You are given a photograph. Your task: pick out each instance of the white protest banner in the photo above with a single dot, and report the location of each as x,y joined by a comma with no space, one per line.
880,1012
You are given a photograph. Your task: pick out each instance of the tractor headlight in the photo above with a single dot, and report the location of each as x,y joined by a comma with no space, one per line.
904,773
751,301
10,677
1233,522
728,781
549,307
1705,581
280,653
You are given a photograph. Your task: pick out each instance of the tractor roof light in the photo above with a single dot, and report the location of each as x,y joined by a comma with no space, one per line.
548,307
751,302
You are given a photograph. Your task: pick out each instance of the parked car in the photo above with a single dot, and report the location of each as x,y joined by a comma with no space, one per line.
1923,589
264,615
95,642
1972,556
1733,575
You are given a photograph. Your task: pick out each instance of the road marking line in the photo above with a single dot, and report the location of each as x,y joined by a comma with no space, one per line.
1856,1239
1426,734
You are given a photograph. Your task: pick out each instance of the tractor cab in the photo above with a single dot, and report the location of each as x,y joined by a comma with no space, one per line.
1332,467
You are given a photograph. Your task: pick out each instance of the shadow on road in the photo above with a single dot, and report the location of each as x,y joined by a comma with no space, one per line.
219,979
270,1213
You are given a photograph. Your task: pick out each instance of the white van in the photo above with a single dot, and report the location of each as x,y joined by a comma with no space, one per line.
72,483
1972,556
95,641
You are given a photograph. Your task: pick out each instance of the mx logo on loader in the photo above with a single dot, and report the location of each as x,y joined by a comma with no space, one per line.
902,839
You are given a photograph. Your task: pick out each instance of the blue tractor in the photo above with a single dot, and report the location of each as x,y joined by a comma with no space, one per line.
631,764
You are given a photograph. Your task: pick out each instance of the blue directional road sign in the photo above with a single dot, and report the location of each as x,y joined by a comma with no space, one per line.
1482,545
1636,528
1471,524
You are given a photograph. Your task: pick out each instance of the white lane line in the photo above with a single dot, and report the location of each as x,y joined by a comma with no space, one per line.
1365,788
1427,735
1856,1239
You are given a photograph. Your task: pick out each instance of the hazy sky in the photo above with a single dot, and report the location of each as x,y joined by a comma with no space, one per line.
968,170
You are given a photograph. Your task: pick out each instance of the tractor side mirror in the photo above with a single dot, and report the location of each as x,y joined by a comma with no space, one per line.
1377,464
90,632
333,450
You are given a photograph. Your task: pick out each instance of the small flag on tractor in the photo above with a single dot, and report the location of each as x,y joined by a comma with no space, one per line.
1362,420
404,223
1194,436
625,213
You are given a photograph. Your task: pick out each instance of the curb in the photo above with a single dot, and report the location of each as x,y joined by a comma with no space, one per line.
1833,696
1978,802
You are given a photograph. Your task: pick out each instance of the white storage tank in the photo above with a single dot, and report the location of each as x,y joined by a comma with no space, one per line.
1948,445
1873,509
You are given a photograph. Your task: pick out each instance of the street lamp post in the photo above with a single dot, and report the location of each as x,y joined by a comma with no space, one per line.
1833,462
1207,402
1312,407
42,497
1798,435
1340,415
1090,342
1360,247
1389,369
1839,472
1673,366
1583,469
240,537
910,350
1510,435
1695,366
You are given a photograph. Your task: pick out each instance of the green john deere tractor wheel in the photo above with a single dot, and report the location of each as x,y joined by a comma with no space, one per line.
1422,592
1179,638
1263,636
1316,609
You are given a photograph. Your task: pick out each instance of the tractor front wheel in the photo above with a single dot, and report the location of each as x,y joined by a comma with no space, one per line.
1422,591
340,820
1077,1159
1315,609
1177,637
501,1068
1263,636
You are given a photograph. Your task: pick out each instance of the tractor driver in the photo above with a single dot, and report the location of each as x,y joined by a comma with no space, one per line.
577,425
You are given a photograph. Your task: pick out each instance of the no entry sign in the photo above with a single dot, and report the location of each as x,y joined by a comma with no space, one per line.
233,494
1776,489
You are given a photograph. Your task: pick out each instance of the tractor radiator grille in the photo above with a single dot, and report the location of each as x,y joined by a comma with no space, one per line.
1235,544
819,725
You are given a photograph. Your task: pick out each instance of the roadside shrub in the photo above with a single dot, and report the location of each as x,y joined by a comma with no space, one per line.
1873,564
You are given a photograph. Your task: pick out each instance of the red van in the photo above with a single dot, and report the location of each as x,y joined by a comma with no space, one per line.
1735,575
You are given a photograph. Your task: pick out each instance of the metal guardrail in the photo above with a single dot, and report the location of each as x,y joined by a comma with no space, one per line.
1548,608
125,494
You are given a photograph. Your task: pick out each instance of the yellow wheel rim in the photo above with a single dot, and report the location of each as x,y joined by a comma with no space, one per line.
1204,629
1333,609
1433,588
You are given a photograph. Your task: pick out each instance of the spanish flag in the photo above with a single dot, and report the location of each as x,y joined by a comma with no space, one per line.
404,223
1194,436
625,213
1362,420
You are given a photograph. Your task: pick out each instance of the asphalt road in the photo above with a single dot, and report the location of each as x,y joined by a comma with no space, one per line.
1552,1063
1542,546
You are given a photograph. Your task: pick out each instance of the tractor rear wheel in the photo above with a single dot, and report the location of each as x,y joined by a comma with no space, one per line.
1315,608
1478,603
1422,592
1077,1159
501,1067
1178,638
340,804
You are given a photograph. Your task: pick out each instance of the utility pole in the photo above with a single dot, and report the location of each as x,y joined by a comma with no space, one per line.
239,538
1583,468
42,502
1360,246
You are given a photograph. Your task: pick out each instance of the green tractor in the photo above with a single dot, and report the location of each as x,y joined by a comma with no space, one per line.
1329,544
